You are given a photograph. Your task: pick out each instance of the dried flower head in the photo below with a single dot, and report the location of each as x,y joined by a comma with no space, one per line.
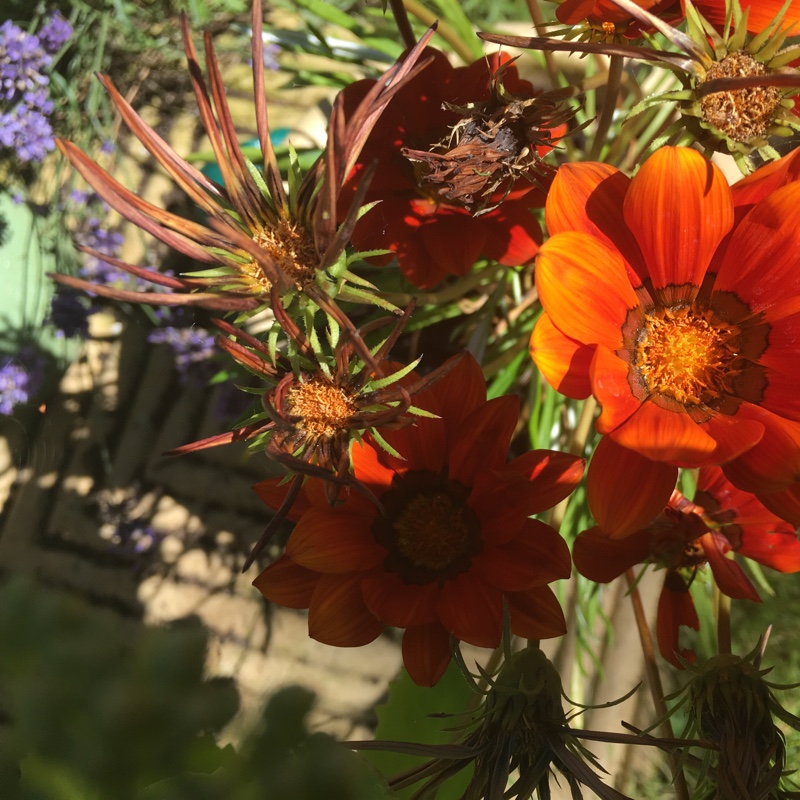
494,144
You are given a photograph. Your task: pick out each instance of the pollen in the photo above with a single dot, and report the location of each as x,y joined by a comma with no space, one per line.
684,356
291,248
325,409
434,530
743,114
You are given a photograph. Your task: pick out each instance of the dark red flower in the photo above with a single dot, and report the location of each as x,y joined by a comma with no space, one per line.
448,543
685,537
607,21
443,129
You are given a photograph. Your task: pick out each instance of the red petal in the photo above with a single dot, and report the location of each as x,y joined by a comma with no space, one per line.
472,610
511,233
397,603
679,208
584,288
337,614
536,614
552,475
626,491
774,463
456,396
287,584
484,440
601,559
537,556
675,608
452,241
779,550
733,436
785,504
272,493
333,542
426,653
564,362
727,573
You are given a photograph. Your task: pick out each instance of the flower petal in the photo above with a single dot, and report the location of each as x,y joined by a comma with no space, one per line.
395,602
760,264
486,435
536,614
511,232
665,435
675,608
287,584
625,490
552,475
679,208
584,288
337,614
785,504
564,362
537,556
330,541
728,575
472,610
601,558
426,653
611,387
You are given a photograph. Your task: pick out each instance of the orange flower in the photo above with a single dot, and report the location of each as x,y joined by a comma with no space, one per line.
444,542
686,536
760,13
607,21
681,321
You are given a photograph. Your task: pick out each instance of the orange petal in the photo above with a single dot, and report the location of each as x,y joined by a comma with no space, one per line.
733,436
373,466
337,614
273,492
768,177
537,556
675,609
457,395
610,385
426,653
760,263
552,475
601,558
584,288
761,12
287,584
625,490
536,614
563,361
679,208
588,197
397,603
330,541
665,435
472,610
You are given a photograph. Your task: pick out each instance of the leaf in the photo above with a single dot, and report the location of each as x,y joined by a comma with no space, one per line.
406,717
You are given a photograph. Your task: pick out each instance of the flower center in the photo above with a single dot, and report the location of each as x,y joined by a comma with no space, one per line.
680,354
292,250
430,531
742,114
324,408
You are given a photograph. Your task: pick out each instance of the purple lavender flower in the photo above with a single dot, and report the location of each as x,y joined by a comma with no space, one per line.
28,132
22,62
69,314
98,238
190,346
19,380
55,32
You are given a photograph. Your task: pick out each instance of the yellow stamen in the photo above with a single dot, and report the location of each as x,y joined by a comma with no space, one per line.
324,408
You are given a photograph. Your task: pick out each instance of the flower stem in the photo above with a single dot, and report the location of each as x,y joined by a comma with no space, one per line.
612,86
654,682
403,23
723,622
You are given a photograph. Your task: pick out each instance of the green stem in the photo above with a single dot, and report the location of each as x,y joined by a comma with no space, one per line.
654,682
447,32
613,82
723,622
